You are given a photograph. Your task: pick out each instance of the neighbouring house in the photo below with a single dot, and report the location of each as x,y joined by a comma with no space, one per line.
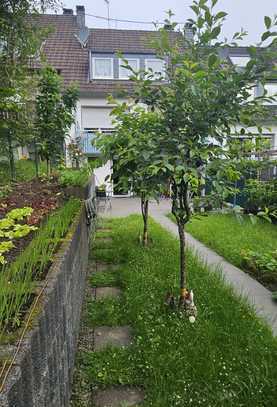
89,56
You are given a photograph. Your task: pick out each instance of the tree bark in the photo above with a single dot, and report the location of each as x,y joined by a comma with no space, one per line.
48,167
36,160
144,211
181,211
11,156
182,241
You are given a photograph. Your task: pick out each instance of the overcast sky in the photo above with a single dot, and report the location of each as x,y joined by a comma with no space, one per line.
242,13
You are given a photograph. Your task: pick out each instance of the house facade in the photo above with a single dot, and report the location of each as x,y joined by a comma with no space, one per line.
90,58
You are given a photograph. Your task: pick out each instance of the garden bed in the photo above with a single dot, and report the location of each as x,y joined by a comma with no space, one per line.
237,241
18,280
37,368
226,358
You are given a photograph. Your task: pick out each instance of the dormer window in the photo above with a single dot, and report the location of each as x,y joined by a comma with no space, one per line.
102,68
126,73
157,66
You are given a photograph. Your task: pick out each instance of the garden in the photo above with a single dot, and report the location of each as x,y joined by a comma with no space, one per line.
226,358
40,199
193,340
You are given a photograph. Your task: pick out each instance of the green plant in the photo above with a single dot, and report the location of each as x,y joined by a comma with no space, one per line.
202,99
230,237
9,229
54,115
130,148
74,177
227,358
260,195
264,264
18,279
274,296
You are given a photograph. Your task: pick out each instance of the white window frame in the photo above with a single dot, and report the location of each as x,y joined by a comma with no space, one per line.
120,62
102,77
154,60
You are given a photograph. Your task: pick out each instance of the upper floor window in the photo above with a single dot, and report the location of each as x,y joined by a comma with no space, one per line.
102,68
157,66
240,61
126,73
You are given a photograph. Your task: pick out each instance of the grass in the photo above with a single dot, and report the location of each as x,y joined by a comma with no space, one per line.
227,358
228,237
25,171
17,281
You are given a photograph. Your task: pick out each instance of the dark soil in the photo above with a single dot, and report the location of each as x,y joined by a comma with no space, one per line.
43,196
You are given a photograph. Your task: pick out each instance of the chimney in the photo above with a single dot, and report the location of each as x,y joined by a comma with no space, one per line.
189,32
81,17
68,11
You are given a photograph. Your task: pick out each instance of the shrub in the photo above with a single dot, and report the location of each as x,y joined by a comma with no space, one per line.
260,195
261,264
73,177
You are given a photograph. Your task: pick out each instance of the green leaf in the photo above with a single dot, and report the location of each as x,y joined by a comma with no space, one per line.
215,32
214,2
266,35
220,15
212,60
195,9
267,21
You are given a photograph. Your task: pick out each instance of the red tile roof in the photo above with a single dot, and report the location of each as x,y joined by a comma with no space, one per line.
64,52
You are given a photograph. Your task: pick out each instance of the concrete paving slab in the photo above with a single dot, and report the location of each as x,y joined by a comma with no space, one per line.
102,266
107,292
243,284
119,336
116,396
103,240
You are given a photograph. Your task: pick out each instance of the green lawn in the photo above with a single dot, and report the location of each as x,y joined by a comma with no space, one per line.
227,358
25,171
228,237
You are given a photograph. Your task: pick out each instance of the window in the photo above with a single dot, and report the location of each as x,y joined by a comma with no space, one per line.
240,61
125,73
156,65
102,68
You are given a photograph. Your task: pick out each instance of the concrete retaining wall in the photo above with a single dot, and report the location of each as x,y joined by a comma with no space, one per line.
43,369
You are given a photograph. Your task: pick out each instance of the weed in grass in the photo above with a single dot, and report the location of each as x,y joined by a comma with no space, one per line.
227,358
109,312
112,366
105,279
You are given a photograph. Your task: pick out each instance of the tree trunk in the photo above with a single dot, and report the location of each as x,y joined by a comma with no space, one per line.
11,156
181,211
144,211
48,167
182,241
36,160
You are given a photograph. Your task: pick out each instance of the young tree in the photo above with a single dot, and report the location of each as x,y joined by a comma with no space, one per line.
55,115
19,42
200,103
130,148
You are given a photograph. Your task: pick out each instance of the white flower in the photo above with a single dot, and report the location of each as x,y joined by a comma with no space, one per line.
192,319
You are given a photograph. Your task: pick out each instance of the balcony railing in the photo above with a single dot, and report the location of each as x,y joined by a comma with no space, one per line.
86,144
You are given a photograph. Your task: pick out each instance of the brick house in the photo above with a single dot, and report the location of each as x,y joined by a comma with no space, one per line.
89,57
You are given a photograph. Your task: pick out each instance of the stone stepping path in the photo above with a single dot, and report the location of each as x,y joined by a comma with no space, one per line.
118,336
107,292
99,266
104,240
115,396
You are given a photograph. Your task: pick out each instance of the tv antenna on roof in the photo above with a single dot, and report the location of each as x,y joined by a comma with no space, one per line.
108,6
